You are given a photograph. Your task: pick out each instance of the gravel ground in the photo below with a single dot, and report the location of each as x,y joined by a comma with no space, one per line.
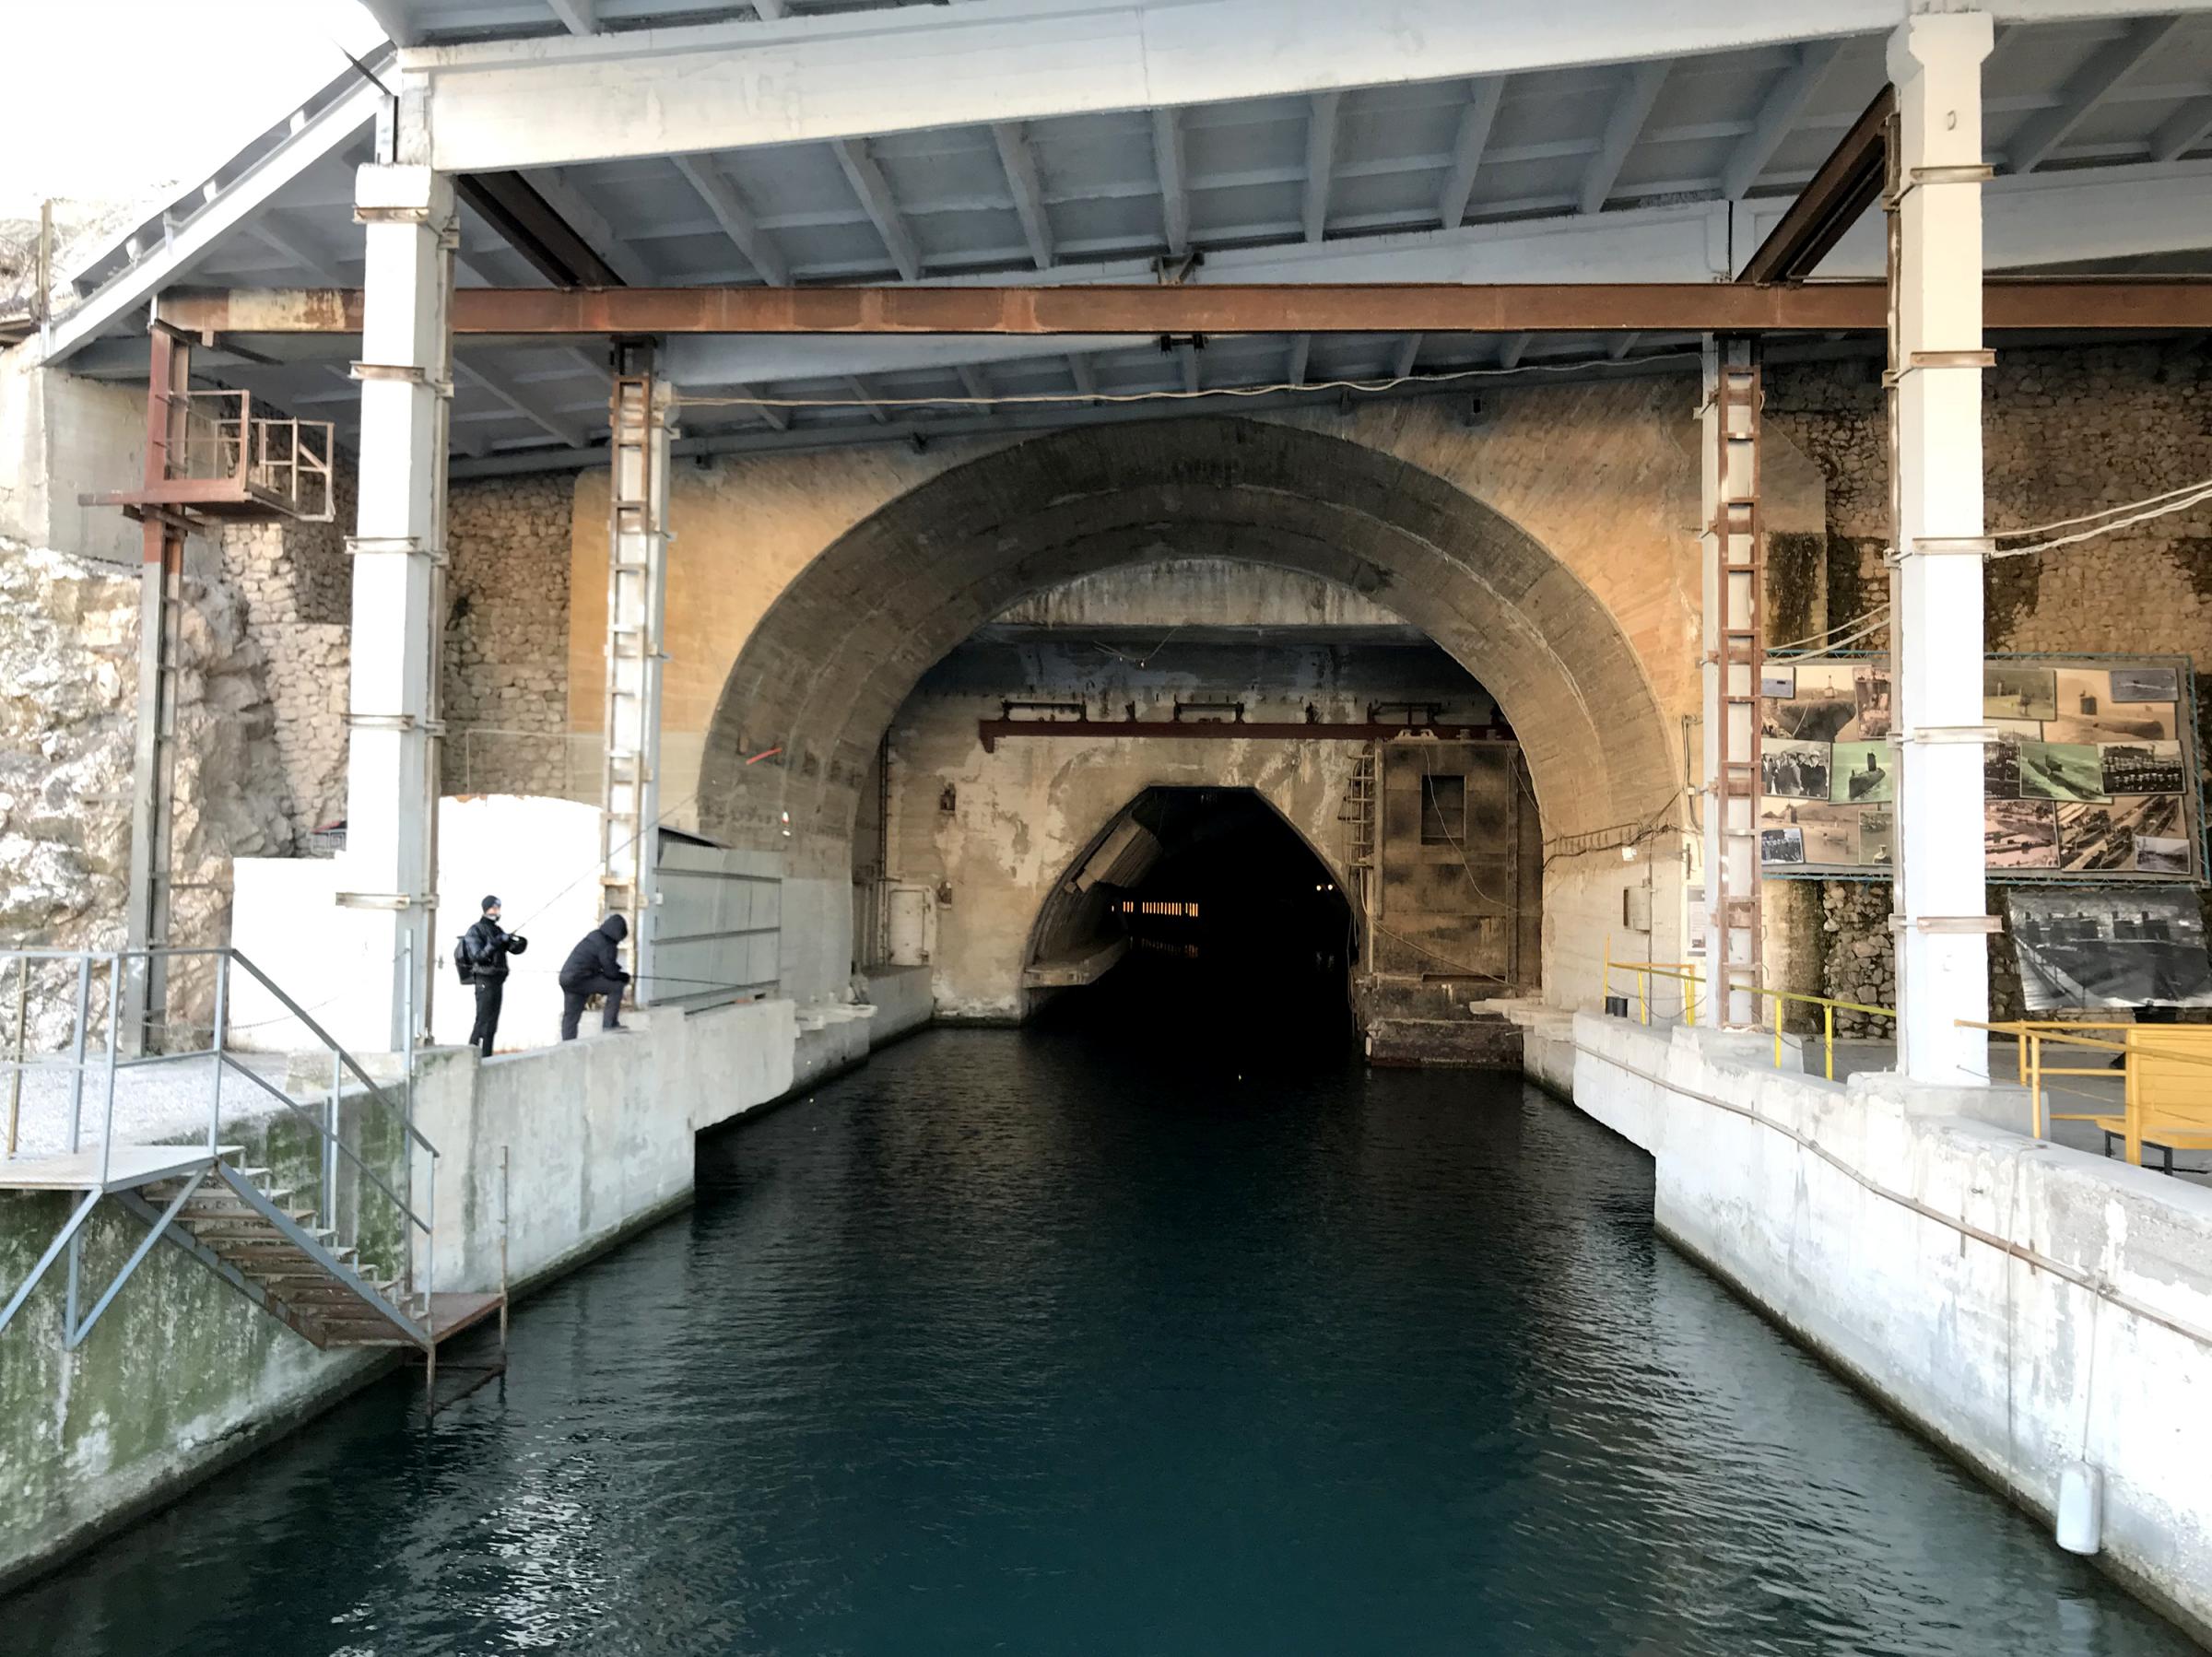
154,1103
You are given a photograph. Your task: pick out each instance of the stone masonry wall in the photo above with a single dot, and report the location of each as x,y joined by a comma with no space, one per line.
296,583
2066,431
507,641
506,654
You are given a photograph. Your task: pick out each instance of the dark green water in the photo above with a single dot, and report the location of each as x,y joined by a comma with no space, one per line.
1093,1341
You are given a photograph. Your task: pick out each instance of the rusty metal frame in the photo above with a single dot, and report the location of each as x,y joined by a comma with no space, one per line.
994,730
1848,182
2153,304
530,225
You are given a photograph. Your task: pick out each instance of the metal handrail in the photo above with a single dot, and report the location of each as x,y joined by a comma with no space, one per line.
325,1037
1688,975
325,1126
2032,1033
266,982
297,1109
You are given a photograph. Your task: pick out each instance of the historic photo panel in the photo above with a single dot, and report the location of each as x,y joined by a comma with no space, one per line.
2090,772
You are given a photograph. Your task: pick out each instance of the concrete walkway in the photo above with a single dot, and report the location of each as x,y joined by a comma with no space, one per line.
2070,1094
154,1103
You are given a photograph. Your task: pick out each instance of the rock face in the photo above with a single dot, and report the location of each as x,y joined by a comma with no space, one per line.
69,654
68,643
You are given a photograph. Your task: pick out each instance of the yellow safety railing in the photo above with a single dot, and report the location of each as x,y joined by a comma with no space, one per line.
1690,978
2136,1104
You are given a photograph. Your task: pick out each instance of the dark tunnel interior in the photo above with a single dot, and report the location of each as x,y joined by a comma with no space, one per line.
1233,922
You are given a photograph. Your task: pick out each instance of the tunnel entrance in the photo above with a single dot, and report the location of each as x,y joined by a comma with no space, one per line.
1196,906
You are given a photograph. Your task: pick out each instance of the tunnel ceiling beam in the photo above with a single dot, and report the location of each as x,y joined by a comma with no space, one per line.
2152,304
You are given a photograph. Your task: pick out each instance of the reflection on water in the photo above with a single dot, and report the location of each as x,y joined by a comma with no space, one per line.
1115,1337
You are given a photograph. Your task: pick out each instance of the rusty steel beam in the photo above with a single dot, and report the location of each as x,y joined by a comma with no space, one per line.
994,731
507,202
2180,304
1845,185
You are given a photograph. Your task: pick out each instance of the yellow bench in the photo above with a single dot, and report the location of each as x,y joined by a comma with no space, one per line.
2169,1092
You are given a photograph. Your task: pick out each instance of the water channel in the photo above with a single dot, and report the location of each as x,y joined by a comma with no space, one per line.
1149,1332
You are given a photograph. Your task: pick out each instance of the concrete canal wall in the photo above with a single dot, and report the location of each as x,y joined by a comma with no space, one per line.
183,1376
2026,1305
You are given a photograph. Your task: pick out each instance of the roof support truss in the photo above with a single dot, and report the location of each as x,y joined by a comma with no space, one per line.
1174,192
1021,162
2042,133
1474,123
1640,90
1786,100
865,175
735,218
1321,162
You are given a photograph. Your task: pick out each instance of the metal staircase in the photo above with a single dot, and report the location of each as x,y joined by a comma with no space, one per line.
286,1249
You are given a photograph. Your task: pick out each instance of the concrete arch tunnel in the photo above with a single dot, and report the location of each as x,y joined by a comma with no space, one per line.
1159,828
828,667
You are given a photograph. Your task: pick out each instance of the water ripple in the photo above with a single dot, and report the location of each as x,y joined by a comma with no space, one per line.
1049,1343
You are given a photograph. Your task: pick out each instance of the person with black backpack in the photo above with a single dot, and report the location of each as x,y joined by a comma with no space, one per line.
481,954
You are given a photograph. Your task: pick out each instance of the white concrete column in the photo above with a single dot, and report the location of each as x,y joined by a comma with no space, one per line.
1936,357
398,556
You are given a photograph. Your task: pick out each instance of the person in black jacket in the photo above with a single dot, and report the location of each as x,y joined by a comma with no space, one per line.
486,948
594,967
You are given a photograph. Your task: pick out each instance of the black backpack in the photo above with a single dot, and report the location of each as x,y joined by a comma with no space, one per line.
465,962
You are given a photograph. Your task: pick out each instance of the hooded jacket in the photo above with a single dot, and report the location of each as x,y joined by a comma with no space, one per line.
594,955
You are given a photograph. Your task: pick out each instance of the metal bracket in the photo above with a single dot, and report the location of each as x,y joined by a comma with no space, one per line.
77,1217
1982,359
1957,173
390,215
394,722
1938,546
72,1338
368,546
1947,924
392,901
409,374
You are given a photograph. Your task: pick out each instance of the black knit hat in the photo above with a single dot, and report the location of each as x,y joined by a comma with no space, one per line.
490,904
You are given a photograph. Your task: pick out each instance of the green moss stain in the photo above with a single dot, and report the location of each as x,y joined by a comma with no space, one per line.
179,1361
1850,592
1794,570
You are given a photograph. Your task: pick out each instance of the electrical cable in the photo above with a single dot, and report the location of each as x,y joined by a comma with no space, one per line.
1821,639
2203,493
2202,484
1276,389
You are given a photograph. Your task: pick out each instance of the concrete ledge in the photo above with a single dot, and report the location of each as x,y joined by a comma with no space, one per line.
164,1487
1547,1046
905,999
2022,1304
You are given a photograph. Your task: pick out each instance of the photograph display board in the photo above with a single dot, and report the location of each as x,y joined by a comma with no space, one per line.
2093,773
2110,949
